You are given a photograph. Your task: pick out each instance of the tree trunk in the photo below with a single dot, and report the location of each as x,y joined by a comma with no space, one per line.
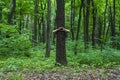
86,23
114,21
54,36
100,32
78,28
0,12
11,12
111,22
104,29
43,7
43,29
39,30
35,22
71,20
112,26
94,24
20,22
60,43
119,26
27,21
48,28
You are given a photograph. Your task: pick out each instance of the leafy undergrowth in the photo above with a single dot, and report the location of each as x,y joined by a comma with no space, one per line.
91,65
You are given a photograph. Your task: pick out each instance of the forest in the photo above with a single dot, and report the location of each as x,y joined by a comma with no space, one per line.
59,39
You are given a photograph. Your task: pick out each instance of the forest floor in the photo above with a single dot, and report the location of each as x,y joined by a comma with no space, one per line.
85,66
66,74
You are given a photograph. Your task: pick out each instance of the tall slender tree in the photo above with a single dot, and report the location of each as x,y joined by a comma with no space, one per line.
78,27
12,11
111,23
35,22
114,20
86,23
105,12
94,11
48,28
20,13
0,12
43,7
100,32
71,19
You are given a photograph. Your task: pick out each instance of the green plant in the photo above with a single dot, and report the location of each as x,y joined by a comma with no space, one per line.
15,76
11,42
114,42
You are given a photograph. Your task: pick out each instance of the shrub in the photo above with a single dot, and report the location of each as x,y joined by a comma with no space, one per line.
11,42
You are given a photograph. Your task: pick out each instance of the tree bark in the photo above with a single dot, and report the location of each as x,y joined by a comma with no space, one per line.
104,29
114,20
0,13
27,21
39,30
119,26
35,22
71,20
43,7
112,26
60,42
48,28
111,22
86,23
43,29
20,22
1,7
94,24
100,32
54,36
12,11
